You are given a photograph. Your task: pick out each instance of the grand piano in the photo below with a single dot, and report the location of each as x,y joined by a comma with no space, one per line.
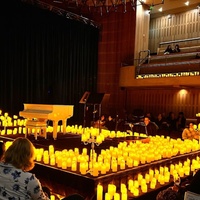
44,112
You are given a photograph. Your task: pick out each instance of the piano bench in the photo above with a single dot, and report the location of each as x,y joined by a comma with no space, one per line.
41,125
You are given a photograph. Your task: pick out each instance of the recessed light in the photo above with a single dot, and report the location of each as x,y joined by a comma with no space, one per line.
187,3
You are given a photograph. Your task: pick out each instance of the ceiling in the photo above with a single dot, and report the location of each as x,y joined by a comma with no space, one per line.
173,6
86,8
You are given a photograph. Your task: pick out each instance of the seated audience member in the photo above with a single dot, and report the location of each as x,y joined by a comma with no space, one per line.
190,133
169,194
100,123
110,123
193,185
168,50
16,182
177,192
161,122
176,49
2,149
150,116
171,121
197,56
181,122
147,127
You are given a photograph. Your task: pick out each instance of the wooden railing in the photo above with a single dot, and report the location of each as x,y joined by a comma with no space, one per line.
189,48
179,41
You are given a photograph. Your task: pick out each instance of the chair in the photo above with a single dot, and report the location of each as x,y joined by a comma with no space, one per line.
37,125
191,196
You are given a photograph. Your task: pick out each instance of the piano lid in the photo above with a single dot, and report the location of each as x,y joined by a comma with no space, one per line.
45,111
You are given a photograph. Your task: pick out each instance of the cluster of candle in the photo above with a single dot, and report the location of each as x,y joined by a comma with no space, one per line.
16,125
197,114
123,156
6,121
141,183
116,158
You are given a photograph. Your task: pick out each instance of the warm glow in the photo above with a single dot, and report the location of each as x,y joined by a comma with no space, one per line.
187,3
160,9
183,92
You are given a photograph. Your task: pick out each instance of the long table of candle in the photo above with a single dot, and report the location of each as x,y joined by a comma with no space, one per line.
65,182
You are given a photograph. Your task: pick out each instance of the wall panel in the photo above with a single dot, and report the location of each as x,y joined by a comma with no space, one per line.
164,101
179,26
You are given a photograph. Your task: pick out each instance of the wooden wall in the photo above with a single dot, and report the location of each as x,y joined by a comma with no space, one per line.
164,100
179,26
116,45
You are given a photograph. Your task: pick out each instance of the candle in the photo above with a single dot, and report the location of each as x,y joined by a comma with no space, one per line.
103,169
136,184
130,162
39,157
107,196
69,162
124,196
140,177
152,185
130,184
46,159
135,163
52,161
116,196
136,192
83,168
162,180
99,192
84,151
111,190
52,197
74,166
64,165
95,170
144,188
147,178
122,164
114,166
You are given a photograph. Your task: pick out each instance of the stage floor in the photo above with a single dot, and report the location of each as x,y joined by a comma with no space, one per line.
66,182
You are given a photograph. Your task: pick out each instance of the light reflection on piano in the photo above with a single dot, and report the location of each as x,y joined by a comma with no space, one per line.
44,112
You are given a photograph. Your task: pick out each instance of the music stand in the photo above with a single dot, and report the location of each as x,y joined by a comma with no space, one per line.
93,99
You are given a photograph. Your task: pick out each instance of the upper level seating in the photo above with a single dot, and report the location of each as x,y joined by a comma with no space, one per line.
172,63
185,49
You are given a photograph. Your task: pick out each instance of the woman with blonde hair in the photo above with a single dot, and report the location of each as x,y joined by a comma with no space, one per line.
16,182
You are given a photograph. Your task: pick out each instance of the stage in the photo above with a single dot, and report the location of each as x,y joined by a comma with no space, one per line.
66,182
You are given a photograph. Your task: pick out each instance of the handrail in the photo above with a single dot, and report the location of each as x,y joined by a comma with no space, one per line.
142,60
177,41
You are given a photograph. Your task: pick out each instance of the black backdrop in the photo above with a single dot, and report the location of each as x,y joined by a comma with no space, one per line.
45,58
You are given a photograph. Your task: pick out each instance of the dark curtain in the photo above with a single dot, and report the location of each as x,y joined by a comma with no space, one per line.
45,58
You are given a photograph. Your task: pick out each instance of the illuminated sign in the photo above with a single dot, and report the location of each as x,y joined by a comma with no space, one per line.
168,75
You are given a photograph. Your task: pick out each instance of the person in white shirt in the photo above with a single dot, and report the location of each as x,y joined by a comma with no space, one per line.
16,182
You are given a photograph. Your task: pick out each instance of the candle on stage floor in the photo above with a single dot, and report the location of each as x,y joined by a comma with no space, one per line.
107,196
116,196
99,192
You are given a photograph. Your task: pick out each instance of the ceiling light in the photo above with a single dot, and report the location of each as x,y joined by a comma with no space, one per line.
187,3
169,16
